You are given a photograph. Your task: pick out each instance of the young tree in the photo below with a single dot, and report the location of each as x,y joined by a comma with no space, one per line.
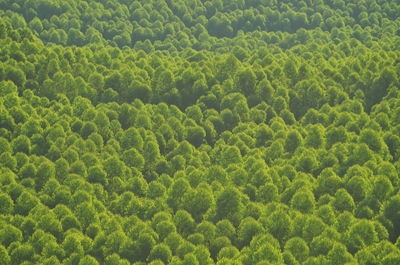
247,229
10,234
343,201
4,257
184,223
303,201
298,247
280,225
292,141
22,253
198,202
229,205
88,260
360,235
161,252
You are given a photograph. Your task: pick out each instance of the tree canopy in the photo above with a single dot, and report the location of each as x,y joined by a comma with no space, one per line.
240,132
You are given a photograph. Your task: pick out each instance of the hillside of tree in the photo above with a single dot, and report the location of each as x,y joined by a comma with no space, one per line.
219,132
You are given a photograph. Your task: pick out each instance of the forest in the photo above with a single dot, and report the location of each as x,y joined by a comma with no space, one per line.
199,132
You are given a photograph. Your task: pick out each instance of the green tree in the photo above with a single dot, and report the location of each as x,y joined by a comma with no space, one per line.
184,223
360,235
292,141
246,81
10,234
229,205
133,158
161,252
372,139
22,144
198,202
46,170
4,257
298,247
280,225
248,228
196,135
343,201
21,253
303,201
6,204
132,138
25,203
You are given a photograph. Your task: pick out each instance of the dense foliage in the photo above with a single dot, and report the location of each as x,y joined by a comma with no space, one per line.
191,132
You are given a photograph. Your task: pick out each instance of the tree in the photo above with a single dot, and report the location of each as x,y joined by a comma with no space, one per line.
343,201
16,75
4,257
151,153
315,137
265,91
133,158
268,193
176,192
265,248
303,201
391,212
132,139
313,227
248,228
198,202
280,225
372,139
87,129
10,234
161,252
6,204
360,235
328,183
358,187
335,135
229,205
382,187
45,171
97,175
22,144
184,223
195,135
50,224
298,247
138,90
22,253
8,161
339,254
246,81
86,214
231,155
4,146
25,203
292,141
88,260
114,167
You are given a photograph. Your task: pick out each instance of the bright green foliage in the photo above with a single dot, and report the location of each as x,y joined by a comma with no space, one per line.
298,247
88,260
229,205
303,201
280,225
161,252
199,132
6,204
293,141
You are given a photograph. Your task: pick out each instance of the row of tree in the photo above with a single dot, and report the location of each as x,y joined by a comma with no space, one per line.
175,25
